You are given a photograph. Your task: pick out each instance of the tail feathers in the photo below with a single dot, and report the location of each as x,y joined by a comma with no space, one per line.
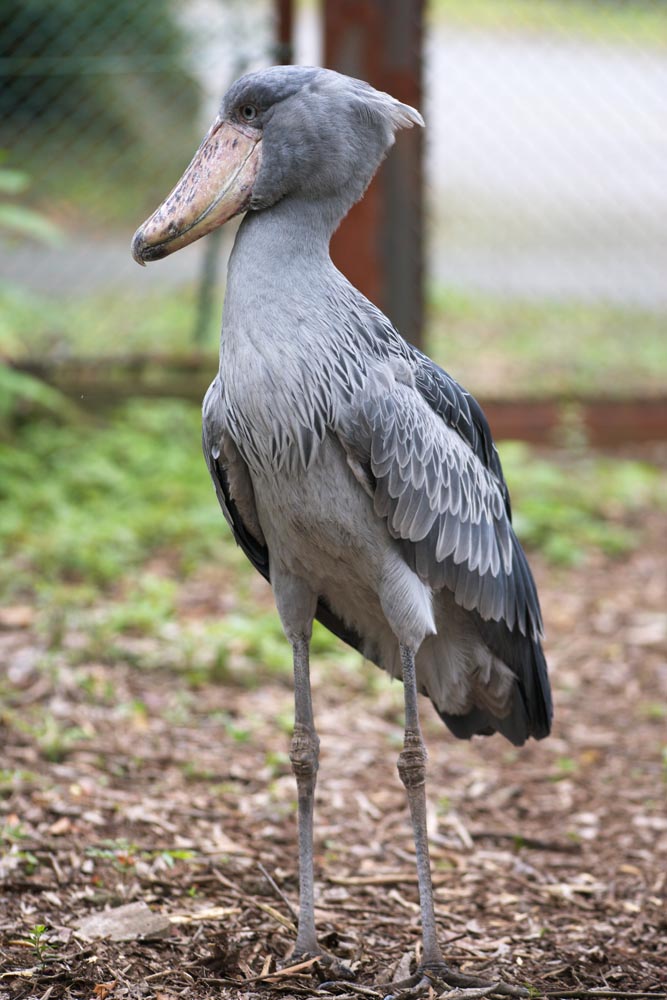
531,711
540,705
515,727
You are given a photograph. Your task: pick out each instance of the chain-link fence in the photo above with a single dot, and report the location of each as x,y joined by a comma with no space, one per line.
101,107
546,153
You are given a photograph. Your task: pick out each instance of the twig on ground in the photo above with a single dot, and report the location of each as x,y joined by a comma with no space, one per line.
345,989
278,891
278,974
272,912
290,969
388,878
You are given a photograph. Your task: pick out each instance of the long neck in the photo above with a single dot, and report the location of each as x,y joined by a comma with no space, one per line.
292,228
280,267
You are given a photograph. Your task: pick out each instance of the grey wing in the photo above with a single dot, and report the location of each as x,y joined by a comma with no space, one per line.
450,511
449,508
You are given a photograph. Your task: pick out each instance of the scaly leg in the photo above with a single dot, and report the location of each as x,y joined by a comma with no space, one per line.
304,755
412,770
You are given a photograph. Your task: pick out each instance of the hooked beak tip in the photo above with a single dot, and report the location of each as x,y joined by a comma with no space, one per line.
138,248
216,186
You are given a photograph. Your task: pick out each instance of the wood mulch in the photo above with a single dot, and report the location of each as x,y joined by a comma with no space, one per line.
550,862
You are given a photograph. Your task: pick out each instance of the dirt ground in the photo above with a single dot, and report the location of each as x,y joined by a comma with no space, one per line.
550,862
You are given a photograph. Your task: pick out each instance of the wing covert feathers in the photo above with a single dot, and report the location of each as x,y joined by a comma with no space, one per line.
439,497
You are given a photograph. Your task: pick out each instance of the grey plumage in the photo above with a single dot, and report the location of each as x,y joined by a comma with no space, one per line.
357,476
421,451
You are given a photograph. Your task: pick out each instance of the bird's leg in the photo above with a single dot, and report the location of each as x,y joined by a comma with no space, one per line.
297,604
433,970
304,755
412,771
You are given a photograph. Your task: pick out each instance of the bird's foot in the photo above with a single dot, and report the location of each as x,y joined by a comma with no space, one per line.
451,984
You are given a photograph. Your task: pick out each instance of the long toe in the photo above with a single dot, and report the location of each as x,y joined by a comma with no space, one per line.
449,983
440,975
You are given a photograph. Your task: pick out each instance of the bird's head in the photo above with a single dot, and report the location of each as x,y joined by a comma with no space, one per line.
288,131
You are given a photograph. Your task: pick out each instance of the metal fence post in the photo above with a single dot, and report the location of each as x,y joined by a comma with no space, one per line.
380,244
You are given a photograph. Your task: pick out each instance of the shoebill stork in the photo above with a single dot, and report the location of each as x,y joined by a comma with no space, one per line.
357,476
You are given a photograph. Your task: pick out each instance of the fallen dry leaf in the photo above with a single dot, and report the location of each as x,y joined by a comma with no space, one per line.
103,990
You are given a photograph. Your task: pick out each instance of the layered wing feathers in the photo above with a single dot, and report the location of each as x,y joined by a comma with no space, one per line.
437,493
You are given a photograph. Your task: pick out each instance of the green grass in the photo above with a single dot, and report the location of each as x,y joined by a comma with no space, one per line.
508,348
86,503
575,503
637,22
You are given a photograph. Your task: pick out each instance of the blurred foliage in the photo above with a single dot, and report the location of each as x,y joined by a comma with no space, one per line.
23,396
15,218
106,323
637,22
55,56
82,81
573,502
86,503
